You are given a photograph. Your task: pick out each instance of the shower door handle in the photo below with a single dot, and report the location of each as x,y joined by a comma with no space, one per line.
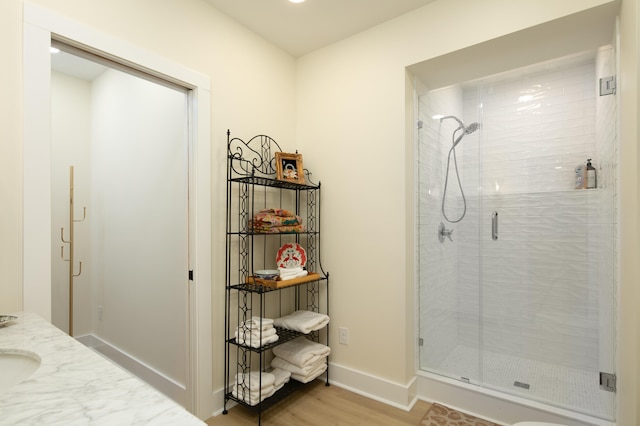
494,226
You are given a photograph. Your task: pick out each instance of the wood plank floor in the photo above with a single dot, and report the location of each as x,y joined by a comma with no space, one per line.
320,405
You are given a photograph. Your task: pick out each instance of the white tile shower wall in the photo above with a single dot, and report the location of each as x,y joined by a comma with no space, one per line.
438,270
539,279
535,298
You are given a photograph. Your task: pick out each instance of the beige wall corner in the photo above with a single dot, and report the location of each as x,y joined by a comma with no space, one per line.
11,156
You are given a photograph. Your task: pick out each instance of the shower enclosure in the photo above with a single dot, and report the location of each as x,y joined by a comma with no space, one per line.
518,296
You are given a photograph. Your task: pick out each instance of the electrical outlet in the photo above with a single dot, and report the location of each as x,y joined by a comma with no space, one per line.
99,312
343,335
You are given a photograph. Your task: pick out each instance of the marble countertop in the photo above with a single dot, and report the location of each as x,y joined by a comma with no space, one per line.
76,386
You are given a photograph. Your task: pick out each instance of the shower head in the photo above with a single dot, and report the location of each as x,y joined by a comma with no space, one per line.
471,128
467,129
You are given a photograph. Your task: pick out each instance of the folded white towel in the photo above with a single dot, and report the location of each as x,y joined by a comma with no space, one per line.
280,363
246,334
255,380
252,398
311,376
301,351
257,323
281,377
256,343
302,321
294,270
289,275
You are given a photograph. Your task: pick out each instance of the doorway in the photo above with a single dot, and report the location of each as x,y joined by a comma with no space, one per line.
41,26
123,138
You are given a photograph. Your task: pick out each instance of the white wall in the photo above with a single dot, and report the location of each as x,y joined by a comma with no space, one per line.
139,227
70,146
11,158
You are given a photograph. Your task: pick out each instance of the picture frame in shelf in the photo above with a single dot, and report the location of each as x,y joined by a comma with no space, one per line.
289,167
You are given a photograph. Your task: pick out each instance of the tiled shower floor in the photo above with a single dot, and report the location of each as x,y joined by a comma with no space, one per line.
565,387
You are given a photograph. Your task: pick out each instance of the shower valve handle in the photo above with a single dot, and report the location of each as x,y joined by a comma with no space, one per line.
443,232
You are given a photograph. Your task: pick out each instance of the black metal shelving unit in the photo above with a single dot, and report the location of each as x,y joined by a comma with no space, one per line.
252,186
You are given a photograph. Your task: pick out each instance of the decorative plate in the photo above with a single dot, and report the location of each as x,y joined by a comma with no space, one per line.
291,255
6,319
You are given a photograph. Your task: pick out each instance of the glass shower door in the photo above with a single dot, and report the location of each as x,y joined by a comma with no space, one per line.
521,298
547,277
449,261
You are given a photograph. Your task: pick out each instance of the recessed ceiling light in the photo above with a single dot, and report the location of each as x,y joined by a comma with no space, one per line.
54,50
296,1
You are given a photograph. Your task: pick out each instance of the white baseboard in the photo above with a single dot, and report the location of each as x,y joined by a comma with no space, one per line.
394,394
148,374
218,397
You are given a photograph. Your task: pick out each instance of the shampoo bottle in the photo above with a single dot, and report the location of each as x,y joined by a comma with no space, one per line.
592,177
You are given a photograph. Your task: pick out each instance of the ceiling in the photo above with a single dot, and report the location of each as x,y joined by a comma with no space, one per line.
297,28
304,27
67,63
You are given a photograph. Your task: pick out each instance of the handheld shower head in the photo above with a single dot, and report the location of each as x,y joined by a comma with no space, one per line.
467,129
471,128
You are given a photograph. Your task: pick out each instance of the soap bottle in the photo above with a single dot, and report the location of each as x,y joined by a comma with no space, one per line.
592,177
580,176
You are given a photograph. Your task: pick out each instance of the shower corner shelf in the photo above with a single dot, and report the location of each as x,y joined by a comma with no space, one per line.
251,187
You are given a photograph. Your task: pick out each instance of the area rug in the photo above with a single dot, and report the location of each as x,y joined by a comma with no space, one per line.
439,415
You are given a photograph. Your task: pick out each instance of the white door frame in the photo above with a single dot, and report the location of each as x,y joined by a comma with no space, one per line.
40,25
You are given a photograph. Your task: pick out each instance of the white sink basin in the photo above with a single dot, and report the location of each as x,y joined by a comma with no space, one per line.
16,366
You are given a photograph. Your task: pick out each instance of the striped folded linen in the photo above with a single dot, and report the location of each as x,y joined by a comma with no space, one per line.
276,221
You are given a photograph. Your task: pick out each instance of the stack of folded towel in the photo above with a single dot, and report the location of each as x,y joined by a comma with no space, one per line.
290,273
256,332
304,359
276,221
282,377
254,387
302,321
